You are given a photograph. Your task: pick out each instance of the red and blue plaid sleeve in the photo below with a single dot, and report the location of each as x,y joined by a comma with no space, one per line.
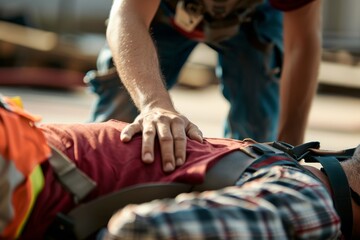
280,202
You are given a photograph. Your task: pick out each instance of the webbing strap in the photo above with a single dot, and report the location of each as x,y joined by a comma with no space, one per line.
226,171
341,192
90,217
72,178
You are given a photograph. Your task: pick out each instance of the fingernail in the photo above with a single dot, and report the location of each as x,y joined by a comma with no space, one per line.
124,137
169,167
179,162
148,157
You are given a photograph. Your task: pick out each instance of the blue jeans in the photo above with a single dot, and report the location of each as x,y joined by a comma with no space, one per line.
247,65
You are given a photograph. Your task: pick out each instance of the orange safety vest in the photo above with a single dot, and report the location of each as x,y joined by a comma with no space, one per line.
23,148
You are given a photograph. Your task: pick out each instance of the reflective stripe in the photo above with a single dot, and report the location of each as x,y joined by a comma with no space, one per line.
29,190
10,179
37,183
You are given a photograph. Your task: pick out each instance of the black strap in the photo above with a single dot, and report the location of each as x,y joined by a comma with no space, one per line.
330,161
340,155
341,192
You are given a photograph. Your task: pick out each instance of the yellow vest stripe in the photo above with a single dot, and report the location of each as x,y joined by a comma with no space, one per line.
37,181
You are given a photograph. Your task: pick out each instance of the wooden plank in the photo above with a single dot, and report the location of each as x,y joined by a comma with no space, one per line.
28,37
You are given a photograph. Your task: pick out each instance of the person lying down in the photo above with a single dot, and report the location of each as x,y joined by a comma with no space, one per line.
272,196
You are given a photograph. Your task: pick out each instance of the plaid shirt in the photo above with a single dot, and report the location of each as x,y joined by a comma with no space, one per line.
270,201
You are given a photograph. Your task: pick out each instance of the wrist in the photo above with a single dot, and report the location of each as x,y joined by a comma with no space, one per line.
157,103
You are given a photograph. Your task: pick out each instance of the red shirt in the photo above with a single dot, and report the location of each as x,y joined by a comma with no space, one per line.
288,5
97,150
282,5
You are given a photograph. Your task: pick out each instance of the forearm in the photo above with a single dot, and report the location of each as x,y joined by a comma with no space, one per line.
302,47
136,60
135,57
298,87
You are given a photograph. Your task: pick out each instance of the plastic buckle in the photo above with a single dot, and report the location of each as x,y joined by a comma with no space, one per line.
299,152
